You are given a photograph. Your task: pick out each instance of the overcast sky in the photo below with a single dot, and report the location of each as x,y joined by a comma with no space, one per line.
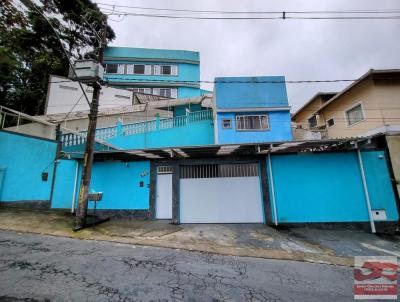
297,49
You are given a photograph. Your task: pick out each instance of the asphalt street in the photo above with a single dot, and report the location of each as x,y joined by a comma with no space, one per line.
47,268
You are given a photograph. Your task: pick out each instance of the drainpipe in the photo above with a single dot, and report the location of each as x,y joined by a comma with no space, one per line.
58,151
371,220
75,185
271,176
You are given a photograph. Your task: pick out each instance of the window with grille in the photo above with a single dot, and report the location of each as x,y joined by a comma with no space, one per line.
252,122
164,170
219,170
354,115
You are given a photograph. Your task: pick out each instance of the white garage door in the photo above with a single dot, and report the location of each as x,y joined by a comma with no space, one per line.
226,193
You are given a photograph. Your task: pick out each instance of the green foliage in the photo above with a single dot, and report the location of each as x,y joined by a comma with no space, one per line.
30,50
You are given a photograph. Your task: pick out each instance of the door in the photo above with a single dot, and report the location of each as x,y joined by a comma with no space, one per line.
220,193
164,193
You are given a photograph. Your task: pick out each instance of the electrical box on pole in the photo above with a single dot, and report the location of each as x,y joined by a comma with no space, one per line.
86,71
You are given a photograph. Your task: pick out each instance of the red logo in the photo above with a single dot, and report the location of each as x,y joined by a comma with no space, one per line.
375,277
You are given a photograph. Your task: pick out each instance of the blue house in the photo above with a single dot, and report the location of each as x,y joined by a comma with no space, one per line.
236,163
251,109
168,73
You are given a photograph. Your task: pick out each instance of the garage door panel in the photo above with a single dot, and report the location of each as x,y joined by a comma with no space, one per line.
221,200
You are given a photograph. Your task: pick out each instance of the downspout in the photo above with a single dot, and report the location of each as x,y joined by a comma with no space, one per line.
271,176
58,151
371,220
75,185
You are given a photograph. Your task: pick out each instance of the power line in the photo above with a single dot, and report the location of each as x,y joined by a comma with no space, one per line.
373,11
284,16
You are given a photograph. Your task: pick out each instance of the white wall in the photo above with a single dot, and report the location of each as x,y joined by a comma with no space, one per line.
63,94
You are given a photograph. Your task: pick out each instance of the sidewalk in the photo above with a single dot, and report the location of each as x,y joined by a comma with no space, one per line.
337,247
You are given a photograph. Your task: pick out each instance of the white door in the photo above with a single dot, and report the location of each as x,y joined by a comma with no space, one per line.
221,194
164,196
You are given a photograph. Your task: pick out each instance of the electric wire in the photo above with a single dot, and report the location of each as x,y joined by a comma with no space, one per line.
382,11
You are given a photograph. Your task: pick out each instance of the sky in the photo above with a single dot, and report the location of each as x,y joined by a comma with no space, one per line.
296,49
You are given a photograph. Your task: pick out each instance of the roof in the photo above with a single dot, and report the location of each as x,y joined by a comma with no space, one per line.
371,72
151,54
312,100
205,101
238,150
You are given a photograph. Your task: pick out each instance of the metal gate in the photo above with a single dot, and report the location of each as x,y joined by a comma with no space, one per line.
220,193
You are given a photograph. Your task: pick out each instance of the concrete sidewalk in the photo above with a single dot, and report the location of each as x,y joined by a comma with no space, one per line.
337,247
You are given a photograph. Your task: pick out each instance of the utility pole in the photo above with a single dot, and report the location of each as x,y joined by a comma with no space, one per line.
81,213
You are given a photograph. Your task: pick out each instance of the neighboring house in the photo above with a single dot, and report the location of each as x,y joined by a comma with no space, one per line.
65,95
168,73
368,106
307,124
251,109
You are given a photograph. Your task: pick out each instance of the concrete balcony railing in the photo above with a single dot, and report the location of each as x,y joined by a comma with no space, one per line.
120,130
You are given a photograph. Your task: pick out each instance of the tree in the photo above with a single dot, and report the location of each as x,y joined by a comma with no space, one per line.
30,51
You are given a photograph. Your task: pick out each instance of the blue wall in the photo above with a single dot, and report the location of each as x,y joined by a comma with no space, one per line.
188,63
235,93
64,184
25,158
145,53
279,123
327,187
192,134
119,182
248,94
186,72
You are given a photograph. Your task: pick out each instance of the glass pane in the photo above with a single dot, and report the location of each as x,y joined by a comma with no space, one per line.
111,68
129,69
354,115
139,69
166,69
264,122
121,68
165,92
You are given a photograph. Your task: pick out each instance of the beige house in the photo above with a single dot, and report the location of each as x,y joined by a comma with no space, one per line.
368,106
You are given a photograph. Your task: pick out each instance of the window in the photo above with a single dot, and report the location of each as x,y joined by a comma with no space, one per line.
252,122
122,96
138,69
142,90
227,123
330,122
115,68
312,121
166,92
111,68
166,69
354,115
